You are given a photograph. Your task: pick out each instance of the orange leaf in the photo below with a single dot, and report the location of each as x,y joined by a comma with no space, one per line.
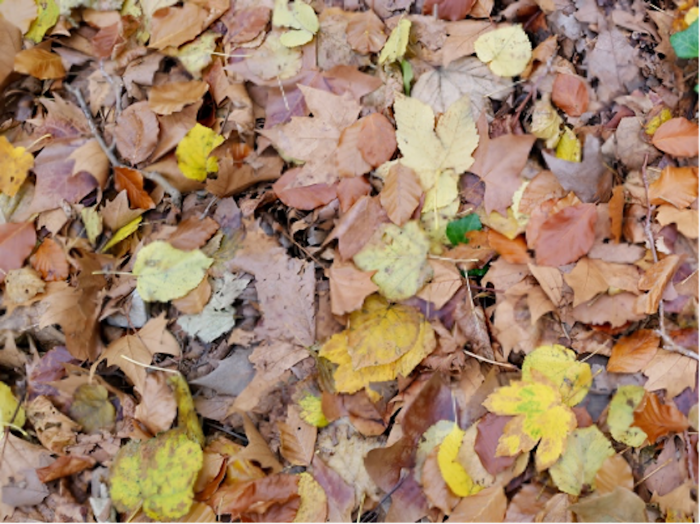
616,208
50,261
657,419
633,353
377,141
365,32
676,185
194,301
655,281
566,236
513,251
193,233
401,194
131,180
351,189
569,94
39,63
16,242
677,137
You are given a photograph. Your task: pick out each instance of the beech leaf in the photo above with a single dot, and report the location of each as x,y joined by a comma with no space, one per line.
566,236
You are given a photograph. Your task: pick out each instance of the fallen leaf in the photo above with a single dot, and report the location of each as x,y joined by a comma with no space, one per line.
39,63
349,287
395,46
633,353
655,280
507,50
365,32
15,162
586,280
339,494
670,371
621,415
686,220
401,193
300,19
131,181
446,281
173,26
193,233
489,505
566,236
158,405
21,460
297,438
11,413
569,93
546,123
569,147
612,62
614,472
92,409
676,185
657,419
53,429
459,481
677,137
314,503
136,134
64,466
559,365
166,99
16,242
194,150
377,139
621,505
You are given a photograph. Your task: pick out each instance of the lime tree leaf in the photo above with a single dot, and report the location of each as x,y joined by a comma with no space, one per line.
685,43
165,273
157,474
395,46
193,152
457,229
456,477
559,365
506,50
301,19
586,450
398,255
428,149
621,416
540,416
92,409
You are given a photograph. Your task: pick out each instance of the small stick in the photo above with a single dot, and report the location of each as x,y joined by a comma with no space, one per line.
488,361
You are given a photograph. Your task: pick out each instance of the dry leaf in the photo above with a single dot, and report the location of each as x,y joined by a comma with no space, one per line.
632,354
655,280
566,236
50,260
131,181
401,193
349,287
365,32
677,137
676,185
136,133
39,63
657,419
569,94
166,99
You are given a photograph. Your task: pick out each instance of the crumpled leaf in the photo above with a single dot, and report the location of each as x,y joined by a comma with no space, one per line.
559,365
301,19
8,407
142,475
452,471
165,273
428,149
193,152
507,50
15,163
378,361
546,122
621,415
398,254
586,450
92,409
540,416
395,46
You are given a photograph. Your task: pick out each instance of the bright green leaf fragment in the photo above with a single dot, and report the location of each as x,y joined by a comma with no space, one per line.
398,254
45,20
559,365
8,408
586,450
685,43
621,416
122,234
407,73
193,152
395,46
458,228
92,409
166,273
157,474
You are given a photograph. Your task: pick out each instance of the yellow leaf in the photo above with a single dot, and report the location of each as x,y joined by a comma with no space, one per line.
15,162
452,471
312,411
398,255
187,418
546,122
569,147
395,46
559,365
586,450
8,407
196,55
165,273
301,19
313,506
157,474
441,206
349,378
92,221
122,233
193,153
428,149
47,17
540,416
507,50
621,416
664,116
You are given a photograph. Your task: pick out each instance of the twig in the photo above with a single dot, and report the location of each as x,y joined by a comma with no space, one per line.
116,85
668,343
489,361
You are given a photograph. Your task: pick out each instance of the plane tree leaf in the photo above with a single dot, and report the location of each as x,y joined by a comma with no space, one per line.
559,365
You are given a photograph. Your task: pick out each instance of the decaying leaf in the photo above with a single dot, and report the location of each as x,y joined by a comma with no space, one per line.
621,415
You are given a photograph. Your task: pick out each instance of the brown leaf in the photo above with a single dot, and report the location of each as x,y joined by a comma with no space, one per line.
193,233
131,181
39,63
234,176
53,429
677,137
173,26
448,9
16,242
489,505
117,213
365,32
587,280
194,301
435,488
64,466
258,497
91,159
377,139
297,438
401,193
357,226
545,186
445,282
633,353
513,251
657,419
349,287
489,430
166,99
158,406
616,209
305,197
348,158
569,94
676,185
527,503
614,472
620,505
566,236
672,372
350,190
655,280
615,310
136,133
341,496
19,462
461,36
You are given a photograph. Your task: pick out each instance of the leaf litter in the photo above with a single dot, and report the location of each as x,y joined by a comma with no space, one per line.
381,261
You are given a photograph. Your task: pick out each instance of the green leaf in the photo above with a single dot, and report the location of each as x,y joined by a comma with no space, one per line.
458,228
621,415
685,43
407,73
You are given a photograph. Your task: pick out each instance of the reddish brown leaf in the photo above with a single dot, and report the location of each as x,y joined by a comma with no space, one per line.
166,99
297,438
657,419
131,180
357,226
514,251
350,190
488,431
341,496
655,280
616,209
305,198
401,193
50,261
16,242
569,94
566,236
633,353
545,186
64,467
677,137
676,185
193,233
255,496
365,32
448,9
194,301
377,139
136,133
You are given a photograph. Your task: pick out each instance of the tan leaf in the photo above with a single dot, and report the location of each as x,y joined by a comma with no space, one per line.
686,220
194,301
616,209
39,63
677,137
90,158
489,505
670,371
166,99
136,133
193,233
615,471
50,260
401,193
173,26
349,287
586,280
445,282
297,438
53,429
676,185
365,32
655,280
158,407
377,141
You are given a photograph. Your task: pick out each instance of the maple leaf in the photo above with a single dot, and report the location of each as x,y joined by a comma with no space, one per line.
540,416
559,365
